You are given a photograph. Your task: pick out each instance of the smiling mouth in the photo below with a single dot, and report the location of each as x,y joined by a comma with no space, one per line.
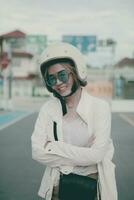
62,88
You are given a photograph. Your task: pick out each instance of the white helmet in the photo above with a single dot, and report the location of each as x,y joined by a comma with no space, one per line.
64,50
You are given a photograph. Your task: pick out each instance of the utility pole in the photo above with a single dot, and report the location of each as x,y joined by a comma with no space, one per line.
112,44
7,78
10,72
113,52
10,77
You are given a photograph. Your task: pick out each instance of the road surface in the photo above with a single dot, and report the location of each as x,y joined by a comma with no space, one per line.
20,176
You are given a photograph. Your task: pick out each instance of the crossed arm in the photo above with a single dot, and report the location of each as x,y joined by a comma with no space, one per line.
58,153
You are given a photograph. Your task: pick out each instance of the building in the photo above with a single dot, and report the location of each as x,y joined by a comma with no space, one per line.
20,52
124,78
36,43
100,82
115,82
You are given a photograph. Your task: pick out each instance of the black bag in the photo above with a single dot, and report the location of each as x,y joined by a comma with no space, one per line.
75,187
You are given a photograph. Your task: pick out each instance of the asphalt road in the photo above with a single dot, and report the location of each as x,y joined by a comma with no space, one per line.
20,176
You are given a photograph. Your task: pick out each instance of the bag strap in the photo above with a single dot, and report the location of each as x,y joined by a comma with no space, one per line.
55,131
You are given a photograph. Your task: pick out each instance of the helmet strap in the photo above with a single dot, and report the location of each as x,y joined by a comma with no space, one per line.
63,98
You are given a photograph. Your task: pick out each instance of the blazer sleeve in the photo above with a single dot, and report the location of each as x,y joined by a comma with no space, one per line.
40,141
85,156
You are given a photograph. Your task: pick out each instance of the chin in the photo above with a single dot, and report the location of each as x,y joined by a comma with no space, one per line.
67,92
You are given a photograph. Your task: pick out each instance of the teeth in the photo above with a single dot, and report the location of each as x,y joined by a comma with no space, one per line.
62,88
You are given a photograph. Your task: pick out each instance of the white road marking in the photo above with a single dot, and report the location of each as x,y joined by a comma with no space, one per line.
127,119
15,120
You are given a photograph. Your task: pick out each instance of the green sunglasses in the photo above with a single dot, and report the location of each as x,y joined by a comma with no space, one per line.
62,76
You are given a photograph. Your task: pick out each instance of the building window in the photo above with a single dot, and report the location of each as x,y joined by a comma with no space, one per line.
16,62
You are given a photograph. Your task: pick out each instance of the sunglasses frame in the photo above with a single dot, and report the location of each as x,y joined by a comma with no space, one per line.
57,76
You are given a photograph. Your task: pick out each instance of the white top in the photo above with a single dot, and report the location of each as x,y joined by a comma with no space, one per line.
75,132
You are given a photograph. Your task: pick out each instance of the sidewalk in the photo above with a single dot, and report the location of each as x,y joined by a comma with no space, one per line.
35,103
10,117
23,103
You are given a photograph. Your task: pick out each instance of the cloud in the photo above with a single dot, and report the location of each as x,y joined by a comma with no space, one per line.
103,18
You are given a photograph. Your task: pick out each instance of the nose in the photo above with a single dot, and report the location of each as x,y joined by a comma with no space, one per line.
58,82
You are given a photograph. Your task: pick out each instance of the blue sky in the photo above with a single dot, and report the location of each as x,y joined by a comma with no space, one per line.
104,18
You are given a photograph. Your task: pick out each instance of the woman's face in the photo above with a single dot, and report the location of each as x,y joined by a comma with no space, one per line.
61,78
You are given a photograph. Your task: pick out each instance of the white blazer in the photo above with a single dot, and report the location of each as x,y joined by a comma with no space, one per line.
60,156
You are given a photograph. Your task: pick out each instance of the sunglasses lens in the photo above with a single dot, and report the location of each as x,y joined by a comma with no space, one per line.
63,76
51,80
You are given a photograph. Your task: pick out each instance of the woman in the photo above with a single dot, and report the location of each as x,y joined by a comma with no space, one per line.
82,144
